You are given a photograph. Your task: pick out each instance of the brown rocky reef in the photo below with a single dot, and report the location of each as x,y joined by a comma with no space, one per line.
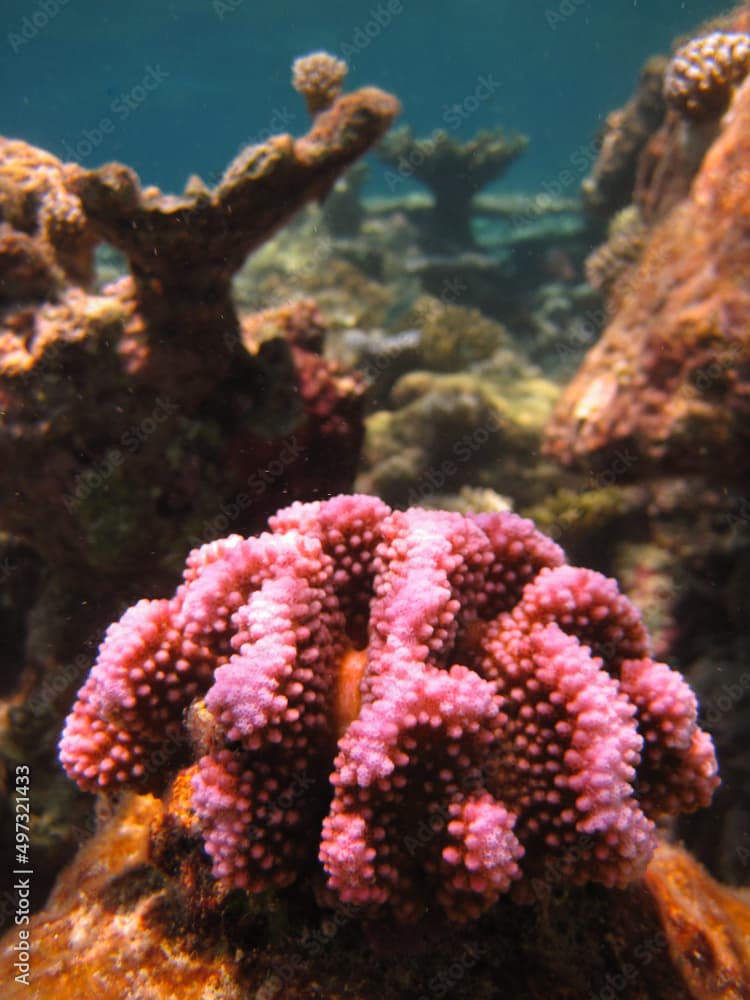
626,131
668,383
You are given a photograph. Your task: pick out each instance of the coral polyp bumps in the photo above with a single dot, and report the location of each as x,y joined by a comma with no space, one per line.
435,705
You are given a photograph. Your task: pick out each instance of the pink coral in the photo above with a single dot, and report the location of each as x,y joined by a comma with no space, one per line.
421,748
492,714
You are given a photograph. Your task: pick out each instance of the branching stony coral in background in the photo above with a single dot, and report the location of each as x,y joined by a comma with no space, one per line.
454,171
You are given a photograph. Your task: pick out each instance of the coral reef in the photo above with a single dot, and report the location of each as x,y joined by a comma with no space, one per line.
454,172
343,211
182,251
319,77
473,680
444,431
700,83
127,941
440,430
507,210
118,921
652,148
669,163
667,383
721,837
609,187
608,267
452,338
528,240
147,352
680,549
707,927
702,75
302,261
580,517
381,753
150,350
41,215
144,417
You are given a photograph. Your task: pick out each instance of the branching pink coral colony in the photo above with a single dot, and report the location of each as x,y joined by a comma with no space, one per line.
492,714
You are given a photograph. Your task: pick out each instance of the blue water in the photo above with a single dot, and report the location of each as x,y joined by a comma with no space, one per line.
175,88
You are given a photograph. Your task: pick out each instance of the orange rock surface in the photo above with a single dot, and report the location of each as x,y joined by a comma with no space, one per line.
668,384
117,926
707,926
106,933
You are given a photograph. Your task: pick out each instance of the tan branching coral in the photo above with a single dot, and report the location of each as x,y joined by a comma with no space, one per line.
319,77
454,171
702,76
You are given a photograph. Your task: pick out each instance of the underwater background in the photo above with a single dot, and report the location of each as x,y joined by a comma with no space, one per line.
223,77
375,500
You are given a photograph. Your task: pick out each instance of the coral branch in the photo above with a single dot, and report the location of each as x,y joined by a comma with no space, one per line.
492,714
199,239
